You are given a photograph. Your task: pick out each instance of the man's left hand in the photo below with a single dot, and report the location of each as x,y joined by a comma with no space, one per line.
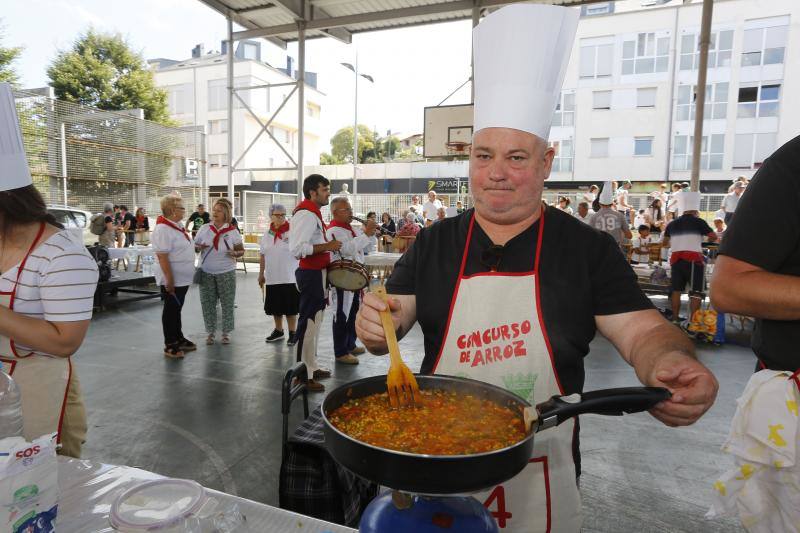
693,387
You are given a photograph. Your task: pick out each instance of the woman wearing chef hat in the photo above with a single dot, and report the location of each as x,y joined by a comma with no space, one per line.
541,282
47,285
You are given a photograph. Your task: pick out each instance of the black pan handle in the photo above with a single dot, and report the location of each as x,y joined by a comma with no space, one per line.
613,402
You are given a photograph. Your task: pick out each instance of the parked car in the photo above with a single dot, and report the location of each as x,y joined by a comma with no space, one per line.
75,220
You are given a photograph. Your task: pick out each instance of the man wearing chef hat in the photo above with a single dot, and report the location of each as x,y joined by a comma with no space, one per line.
684,237
47,285
543,281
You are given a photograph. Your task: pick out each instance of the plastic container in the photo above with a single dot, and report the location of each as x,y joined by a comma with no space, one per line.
10,408
171,506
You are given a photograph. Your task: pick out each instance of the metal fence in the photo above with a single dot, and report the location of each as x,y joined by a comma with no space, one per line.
82,157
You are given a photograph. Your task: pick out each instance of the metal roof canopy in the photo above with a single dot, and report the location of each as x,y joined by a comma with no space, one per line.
280,21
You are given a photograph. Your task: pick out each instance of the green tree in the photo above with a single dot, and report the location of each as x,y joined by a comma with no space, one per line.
391,145
327,159
342,144
7,57
101,70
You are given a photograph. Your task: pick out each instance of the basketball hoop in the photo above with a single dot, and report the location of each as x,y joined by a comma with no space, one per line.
457,148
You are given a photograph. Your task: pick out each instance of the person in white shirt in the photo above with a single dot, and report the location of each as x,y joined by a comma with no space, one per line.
590,196
672,204
731,200
622,200
309,243
641,246
431,208
584,214
174,272
719,228
639,219
345,303
220,244
276,276
441,214
563,204
415,206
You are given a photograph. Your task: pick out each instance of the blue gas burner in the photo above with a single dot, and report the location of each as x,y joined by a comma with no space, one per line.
395,512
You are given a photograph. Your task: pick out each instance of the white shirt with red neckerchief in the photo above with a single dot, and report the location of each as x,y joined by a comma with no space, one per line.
179,247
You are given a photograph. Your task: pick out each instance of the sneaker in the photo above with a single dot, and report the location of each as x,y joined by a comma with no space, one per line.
210,339
226,338
322,373
358,350
276,335
292,340
315,386
347,359
187,345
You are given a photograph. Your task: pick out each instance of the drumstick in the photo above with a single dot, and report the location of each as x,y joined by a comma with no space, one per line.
263,294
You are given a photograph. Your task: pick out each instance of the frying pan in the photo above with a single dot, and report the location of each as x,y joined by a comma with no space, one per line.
463,474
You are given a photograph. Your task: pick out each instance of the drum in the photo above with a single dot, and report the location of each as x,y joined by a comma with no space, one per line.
348,275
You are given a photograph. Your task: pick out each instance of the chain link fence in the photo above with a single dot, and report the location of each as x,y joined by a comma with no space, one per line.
83,157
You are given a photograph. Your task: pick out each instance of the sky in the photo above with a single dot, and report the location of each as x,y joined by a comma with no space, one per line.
412,67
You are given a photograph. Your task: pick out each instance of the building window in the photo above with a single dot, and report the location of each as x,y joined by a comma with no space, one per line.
710,153
218,160
255,98
716,101
250,51
764,46
646,54
643,146
600,8
646,97
601,100
180,98
596,60
599,147
751,149
565,110
755,102
720,48
562,162
217,126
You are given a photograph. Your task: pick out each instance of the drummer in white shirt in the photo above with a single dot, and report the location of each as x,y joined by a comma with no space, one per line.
277,267
354,246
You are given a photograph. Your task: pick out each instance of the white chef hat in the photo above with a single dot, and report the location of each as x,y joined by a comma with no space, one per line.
607,194
521,54
14,172
688,201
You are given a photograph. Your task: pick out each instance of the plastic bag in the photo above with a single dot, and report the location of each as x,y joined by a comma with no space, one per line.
28,484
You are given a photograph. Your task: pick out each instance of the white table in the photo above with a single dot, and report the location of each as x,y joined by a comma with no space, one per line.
88,489
117,254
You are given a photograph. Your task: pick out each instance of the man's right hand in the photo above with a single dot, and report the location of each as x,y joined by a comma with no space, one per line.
169,286
261,280
334,245
369,327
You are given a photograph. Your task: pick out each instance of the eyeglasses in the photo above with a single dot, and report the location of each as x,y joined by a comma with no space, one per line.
491,257
279,215
348,209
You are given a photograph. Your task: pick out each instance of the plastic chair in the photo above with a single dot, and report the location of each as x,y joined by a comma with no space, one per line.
294,385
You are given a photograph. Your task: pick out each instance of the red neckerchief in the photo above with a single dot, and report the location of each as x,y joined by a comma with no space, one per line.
162,220
337,224
279,231
308,205
219,233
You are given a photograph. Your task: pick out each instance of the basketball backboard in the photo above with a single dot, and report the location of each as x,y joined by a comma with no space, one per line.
446,124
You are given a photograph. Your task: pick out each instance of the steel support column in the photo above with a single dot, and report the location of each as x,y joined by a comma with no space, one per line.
700,96
230,58
301,106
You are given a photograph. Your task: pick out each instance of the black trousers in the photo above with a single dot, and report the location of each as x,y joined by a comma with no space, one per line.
171,314
312,301
344,329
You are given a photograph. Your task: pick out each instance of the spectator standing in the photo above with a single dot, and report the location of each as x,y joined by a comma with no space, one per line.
276,275
108,237
731,201
220,245
127,225
684,236
563,204
142,226
174,272
430,209
198,218
654,216
591,195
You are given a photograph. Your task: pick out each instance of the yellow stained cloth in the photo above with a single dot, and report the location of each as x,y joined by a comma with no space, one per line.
764,485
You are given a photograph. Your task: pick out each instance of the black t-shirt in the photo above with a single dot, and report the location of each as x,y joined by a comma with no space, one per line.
197,220
108,219
765,232
129,218
583,274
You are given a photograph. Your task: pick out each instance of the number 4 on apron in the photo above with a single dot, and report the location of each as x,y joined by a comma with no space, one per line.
42,381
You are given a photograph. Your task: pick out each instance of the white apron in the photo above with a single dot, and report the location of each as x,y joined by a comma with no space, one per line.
42,381
495,333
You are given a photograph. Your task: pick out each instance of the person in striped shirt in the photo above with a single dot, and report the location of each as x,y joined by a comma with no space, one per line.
47,285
